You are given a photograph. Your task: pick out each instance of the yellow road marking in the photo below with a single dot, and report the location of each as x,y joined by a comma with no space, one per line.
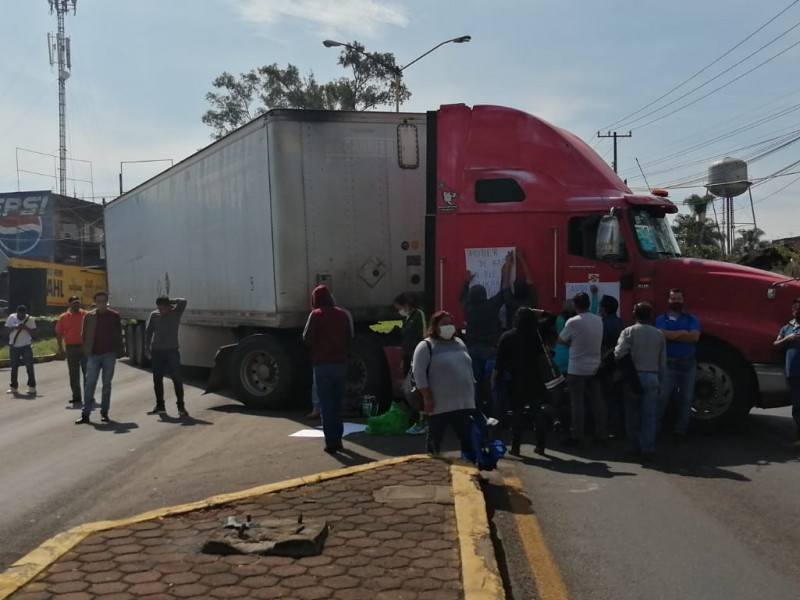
549,582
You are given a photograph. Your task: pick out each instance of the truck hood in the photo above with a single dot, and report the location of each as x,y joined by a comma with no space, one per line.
731,301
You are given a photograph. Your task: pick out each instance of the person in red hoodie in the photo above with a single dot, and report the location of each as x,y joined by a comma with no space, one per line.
327,333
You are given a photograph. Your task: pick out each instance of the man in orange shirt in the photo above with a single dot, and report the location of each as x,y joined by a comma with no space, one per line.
68,330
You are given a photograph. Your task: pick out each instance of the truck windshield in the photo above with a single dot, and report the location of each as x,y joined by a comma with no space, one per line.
654,234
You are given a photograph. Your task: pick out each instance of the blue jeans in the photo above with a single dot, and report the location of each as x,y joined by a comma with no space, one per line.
22,355
681,373
167,362
94,364
459,420
794,395
641,413
331,382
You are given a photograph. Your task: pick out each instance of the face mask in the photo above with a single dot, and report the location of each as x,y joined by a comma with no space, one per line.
676,306
403,313
447,331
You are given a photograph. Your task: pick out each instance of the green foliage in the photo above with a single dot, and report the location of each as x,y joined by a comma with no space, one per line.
40,348
792,256
698,237
243,98
749,239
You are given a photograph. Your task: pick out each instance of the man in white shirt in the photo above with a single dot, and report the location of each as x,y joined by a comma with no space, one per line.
583,333
19,327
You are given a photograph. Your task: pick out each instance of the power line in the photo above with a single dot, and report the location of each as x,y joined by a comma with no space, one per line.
708,66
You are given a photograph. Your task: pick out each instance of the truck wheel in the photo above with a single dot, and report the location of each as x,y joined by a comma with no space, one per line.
725,389
138,345
261,373
366,367
130,343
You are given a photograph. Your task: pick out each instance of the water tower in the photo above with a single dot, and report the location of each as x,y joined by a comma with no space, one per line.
727,178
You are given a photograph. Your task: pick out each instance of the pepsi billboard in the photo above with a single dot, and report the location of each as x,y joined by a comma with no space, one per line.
26,224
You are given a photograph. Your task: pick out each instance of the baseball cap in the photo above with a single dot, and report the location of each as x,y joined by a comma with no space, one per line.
73,299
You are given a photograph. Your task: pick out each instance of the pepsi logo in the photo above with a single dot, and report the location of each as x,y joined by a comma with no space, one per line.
21,223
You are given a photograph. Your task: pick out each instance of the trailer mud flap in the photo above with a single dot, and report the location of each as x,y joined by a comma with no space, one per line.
218,379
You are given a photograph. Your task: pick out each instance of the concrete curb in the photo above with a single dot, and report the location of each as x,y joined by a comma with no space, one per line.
480,573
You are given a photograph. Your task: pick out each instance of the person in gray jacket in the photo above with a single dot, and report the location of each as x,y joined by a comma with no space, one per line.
161,346
443,374
648,351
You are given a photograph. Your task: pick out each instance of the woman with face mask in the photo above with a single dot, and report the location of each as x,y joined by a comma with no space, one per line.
444,376
412,333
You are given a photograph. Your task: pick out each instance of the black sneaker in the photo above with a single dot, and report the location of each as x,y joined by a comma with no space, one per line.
182,411
104,417
158,410
82,419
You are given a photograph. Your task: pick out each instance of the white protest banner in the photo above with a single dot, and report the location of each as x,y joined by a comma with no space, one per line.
486,264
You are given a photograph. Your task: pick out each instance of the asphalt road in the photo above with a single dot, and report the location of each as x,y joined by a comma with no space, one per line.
715,518
55,475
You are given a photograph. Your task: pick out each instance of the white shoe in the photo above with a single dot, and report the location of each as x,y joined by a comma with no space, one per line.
11,391
32,391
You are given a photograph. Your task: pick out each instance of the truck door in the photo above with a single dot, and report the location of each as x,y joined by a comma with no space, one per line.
596,260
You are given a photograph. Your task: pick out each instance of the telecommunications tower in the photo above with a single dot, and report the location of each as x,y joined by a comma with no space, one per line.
59,49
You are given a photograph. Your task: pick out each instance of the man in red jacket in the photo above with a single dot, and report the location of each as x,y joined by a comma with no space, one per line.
327,333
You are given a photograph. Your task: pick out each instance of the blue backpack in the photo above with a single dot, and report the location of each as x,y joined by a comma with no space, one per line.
482,451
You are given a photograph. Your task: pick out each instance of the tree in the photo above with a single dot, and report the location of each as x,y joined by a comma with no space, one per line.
251,94
698,235
749,239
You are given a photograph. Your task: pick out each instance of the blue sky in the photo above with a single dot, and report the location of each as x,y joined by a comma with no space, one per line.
140,71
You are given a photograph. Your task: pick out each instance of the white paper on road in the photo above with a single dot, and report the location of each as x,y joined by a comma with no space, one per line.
317,432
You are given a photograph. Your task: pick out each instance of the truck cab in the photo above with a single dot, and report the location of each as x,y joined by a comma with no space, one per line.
505,179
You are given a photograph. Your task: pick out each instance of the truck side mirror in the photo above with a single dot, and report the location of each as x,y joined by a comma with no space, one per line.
608,245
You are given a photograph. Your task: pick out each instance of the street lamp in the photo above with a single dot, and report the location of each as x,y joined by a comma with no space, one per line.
394,69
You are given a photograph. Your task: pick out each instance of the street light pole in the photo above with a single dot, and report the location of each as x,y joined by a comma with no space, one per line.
394,69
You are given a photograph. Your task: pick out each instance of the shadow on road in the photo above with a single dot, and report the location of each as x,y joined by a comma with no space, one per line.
115,427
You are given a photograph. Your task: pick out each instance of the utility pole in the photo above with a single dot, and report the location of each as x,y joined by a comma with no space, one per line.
60,55
615,135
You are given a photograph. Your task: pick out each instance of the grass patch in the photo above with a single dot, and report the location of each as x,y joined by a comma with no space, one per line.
40,348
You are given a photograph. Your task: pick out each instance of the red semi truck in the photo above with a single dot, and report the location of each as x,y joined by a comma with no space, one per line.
378,203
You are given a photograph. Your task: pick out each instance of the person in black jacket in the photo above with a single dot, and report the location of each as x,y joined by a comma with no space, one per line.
413,330
483,324
519,353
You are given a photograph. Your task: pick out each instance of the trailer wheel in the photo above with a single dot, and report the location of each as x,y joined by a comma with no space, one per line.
138,345
366,367
130,343
725,388
261,372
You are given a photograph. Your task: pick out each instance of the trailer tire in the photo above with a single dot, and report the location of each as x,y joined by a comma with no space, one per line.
725,386
130,343
367,371
139,342
261,373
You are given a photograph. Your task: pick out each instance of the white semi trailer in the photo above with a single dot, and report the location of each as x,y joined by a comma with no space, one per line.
248,226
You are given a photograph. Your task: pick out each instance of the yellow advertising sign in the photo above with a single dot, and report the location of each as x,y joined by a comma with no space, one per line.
64,281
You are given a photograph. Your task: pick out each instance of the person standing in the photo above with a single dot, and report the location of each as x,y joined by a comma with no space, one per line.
483,325
161,346
68,333
521,293
612,390
328,332
20,328
648,351
789,341
518,352
443,373
102,344
412,333
682,331
583,333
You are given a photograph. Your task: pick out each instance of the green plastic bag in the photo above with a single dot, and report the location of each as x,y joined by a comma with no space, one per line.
394,421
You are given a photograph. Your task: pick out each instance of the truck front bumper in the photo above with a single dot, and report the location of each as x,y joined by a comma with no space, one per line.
772,386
